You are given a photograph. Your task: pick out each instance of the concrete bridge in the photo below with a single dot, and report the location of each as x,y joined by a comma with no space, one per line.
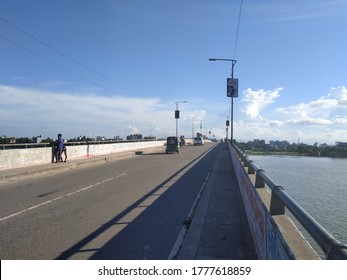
136,202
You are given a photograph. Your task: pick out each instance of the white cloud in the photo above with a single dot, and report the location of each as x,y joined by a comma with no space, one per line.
29,112
291,11
320,107
309,121
257,100
340,94
73,112
322,111
320,120
275,123
340,120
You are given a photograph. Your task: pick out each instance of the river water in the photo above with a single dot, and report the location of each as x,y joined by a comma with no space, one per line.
319,185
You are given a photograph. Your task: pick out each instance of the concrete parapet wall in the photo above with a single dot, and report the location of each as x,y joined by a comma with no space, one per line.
275,237
34,156
24,157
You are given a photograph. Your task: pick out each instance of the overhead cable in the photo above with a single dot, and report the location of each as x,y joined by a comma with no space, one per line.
238,29
64,55
55,64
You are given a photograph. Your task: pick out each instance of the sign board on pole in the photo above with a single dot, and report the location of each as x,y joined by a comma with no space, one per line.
177,114
232,87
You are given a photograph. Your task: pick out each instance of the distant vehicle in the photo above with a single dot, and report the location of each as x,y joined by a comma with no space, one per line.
173,144
198,141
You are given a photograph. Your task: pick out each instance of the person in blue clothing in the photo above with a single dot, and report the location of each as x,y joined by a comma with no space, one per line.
57,152
60,147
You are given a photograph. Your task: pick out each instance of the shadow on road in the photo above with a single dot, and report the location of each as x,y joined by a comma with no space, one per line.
152,234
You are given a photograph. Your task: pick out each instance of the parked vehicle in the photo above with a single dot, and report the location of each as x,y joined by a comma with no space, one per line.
198,141
173,144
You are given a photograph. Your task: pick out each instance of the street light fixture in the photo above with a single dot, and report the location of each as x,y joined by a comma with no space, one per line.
177,115
226,59
232,85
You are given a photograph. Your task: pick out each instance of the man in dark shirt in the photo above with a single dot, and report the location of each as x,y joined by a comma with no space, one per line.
60,147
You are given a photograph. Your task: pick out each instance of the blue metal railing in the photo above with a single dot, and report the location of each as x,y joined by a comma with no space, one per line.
280,199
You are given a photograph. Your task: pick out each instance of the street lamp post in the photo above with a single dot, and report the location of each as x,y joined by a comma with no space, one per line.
201,127
226,125
232,93
177,115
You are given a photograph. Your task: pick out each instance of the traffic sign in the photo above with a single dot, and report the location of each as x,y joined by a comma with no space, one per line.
232,87
177,114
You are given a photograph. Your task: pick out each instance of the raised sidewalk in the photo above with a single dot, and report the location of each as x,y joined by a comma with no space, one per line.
219,228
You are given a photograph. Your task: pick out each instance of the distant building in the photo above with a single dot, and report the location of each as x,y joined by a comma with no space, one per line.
341,145
149,138
134,137
259,142
37,139
277,144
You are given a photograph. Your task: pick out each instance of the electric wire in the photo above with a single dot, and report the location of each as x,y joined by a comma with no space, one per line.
55,64
237,30
64,55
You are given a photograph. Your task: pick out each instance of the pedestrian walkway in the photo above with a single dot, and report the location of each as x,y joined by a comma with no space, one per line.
219,229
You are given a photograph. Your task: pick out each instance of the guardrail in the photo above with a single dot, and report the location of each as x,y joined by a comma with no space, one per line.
280,200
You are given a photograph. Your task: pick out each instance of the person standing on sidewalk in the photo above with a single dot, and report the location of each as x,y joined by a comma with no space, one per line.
60,147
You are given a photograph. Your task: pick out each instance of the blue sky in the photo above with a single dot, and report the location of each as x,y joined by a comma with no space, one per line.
107,68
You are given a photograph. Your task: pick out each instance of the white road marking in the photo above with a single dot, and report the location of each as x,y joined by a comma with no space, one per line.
59,197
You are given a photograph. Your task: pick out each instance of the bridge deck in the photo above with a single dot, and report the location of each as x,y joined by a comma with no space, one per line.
219,229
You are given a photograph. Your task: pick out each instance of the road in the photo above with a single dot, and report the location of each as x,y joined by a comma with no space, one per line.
132,208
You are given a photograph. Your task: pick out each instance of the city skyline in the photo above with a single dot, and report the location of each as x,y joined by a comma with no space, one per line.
42,138
117,68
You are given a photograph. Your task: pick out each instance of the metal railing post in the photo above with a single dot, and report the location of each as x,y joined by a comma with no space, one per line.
277,207
280,199
259,182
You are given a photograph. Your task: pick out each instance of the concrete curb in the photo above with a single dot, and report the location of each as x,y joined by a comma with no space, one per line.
190,244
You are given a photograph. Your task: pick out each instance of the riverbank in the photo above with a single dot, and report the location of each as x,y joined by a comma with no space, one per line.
269,153
296,154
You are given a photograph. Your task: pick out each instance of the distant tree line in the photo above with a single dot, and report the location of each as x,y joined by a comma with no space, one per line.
26,140
21,140
317,150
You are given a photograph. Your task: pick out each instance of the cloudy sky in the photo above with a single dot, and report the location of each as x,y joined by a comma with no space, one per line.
108,68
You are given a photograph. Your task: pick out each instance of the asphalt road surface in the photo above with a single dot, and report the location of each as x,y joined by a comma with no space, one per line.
132,208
